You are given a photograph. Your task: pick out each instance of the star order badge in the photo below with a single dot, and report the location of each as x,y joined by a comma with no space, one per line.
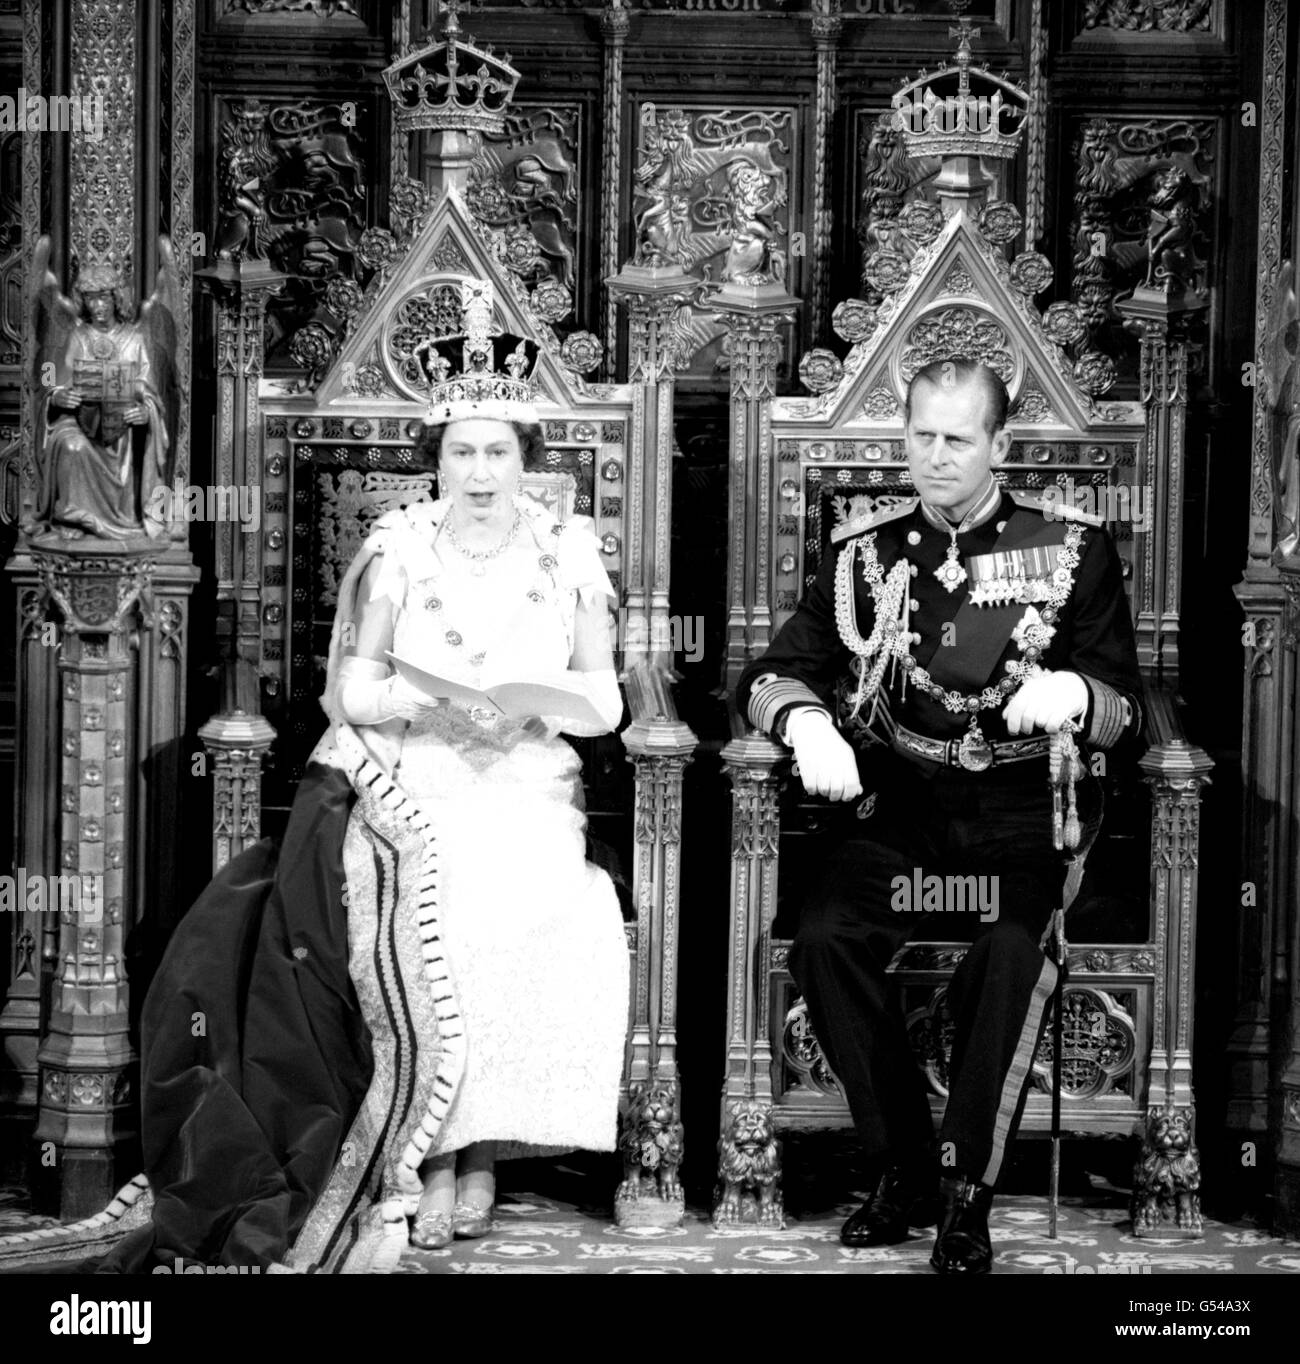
950,573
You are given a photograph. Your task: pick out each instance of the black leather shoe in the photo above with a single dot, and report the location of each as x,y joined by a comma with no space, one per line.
963,1245
902,1199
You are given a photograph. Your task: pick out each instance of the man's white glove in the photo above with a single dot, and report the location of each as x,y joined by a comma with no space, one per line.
368,695
826,762
1046,702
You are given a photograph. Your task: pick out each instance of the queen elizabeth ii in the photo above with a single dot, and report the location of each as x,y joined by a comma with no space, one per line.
427,972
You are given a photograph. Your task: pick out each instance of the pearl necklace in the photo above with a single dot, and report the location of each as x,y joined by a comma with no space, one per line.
479,557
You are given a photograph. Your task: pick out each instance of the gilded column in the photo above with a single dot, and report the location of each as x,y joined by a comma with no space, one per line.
238,737
399,150
1036,141
1269,696
826,27
1266,766
179,21
33,949
614,24
659,746
1286,1185
1272,208
1160,323
651,294
753,315
86,1059
751,766
1169,1207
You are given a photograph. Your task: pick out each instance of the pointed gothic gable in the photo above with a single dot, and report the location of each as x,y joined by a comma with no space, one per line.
420,296
960,298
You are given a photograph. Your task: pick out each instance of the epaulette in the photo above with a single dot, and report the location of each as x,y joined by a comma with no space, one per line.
859,525
1058,509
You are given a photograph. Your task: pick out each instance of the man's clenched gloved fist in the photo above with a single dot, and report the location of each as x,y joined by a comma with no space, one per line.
1046,702
826,763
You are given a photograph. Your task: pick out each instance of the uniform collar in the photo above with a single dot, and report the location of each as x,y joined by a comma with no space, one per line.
985,508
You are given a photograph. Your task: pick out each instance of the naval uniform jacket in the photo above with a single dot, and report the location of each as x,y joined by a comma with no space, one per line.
809,663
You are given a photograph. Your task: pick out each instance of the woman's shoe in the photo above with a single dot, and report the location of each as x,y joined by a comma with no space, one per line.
432,1230
468,1222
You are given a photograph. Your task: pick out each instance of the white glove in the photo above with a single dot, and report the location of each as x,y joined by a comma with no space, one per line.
1046,702
602,691
369,695
826,762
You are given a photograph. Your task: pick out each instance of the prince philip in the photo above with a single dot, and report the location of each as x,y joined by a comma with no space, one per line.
951,635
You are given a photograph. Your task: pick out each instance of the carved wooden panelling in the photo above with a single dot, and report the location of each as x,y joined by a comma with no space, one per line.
712,193
292,190
1143,215
11,278
885,9
1152,16
526,184
310,15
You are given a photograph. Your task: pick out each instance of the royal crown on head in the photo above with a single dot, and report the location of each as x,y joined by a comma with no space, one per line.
451,84
940,119
480,373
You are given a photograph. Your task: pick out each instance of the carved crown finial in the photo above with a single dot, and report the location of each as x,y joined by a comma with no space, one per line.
452,9
451,84
983,116
964,31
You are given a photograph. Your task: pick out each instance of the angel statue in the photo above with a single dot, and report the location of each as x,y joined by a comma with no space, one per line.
107,407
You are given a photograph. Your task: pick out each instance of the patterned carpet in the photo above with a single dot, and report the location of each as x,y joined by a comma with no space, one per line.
539,1234
553,1218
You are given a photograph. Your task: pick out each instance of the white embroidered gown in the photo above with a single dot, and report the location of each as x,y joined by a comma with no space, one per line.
532,930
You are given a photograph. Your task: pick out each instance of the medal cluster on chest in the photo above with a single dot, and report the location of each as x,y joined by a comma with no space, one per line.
1009,576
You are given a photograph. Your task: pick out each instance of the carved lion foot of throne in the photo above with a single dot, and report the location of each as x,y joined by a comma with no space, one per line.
749,1170
1166,1204
651,1143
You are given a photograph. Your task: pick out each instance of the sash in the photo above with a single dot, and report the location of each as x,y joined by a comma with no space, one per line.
983,632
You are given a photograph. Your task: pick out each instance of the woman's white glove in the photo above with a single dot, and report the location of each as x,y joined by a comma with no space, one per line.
603,693
826,762
369,694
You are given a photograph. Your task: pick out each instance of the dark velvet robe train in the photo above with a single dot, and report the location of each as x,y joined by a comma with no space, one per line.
255,1055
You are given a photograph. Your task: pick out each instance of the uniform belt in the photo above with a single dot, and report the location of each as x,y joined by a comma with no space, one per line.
948,751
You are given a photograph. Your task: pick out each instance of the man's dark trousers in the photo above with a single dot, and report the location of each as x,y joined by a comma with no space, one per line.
948,822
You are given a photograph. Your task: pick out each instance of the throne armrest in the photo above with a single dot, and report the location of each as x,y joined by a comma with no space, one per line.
1170,756
649,693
